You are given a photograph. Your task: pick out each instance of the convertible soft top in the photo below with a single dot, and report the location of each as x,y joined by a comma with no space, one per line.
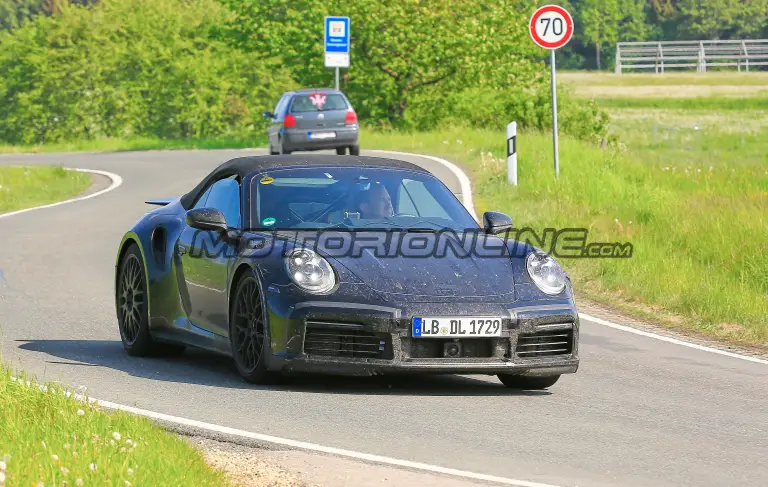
242,166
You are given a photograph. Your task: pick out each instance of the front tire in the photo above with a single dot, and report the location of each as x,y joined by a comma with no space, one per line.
249,332
528,383
132,309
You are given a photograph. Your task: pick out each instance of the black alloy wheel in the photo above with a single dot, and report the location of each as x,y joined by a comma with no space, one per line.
131,300
249,333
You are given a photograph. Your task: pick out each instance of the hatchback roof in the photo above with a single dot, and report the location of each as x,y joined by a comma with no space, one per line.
313,90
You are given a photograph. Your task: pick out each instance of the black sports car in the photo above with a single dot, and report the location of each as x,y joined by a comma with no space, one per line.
348,265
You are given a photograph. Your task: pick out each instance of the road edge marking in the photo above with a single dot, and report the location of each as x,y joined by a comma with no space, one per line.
675,341
117,181
467,196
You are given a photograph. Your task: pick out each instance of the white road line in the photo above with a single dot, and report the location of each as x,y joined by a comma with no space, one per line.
116,182
663,338
315,448
467,194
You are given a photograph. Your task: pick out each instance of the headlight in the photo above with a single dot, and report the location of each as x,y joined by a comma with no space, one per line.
310,271
546,273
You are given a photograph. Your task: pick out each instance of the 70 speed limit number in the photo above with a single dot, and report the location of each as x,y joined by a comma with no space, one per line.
551,27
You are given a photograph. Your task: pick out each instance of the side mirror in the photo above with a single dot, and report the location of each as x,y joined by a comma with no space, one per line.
268,115
495,222
207,219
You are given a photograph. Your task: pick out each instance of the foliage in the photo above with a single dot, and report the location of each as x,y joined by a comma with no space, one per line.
414,65
13,13
127,68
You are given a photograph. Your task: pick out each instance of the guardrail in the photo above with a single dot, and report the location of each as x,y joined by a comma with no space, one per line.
689,54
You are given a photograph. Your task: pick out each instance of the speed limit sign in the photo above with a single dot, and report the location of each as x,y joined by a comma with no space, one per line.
551,27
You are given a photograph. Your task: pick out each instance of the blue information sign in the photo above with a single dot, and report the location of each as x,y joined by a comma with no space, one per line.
337,34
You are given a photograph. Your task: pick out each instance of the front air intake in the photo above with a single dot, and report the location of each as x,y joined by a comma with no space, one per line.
545,343
343,340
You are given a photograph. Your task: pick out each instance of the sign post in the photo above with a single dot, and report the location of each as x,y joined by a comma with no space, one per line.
551,27
337,44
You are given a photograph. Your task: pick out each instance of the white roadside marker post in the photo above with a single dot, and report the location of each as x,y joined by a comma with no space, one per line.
512,153
551,27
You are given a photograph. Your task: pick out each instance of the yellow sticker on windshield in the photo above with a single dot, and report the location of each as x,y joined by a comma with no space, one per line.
267,180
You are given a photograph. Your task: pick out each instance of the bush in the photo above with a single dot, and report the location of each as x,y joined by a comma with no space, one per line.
486,108
127,68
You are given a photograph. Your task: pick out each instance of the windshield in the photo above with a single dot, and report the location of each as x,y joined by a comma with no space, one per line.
355,198
317,102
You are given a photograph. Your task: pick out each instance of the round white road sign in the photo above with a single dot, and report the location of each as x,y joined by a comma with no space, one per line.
551,27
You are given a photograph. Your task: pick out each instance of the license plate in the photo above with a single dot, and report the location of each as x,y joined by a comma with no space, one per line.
425,327
322,135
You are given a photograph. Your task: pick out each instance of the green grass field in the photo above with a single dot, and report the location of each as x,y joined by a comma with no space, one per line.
137,144
24,187
51,439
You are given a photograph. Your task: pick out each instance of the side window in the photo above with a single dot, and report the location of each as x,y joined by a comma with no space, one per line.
225,197
415,199
280,108
203,199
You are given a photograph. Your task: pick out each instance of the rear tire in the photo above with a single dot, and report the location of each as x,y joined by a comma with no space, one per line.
528,383
281,149
132,310
249,332
354,150
341,151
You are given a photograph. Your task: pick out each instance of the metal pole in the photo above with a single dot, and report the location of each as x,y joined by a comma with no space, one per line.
337,78
554,111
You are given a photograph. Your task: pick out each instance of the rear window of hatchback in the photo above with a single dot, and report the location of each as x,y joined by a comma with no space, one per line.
318,102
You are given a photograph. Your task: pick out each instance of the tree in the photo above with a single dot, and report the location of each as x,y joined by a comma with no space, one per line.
599,21
401,49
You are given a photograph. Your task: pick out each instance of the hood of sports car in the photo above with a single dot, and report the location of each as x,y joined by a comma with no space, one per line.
430,271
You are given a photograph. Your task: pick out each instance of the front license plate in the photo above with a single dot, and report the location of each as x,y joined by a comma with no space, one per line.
426,327
322,135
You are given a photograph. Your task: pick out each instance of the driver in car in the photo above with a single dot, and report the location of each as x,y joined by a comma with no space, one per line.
375,203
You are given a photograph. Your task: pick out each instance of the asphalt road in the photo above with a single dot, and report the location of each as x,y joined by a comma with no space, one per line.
638,412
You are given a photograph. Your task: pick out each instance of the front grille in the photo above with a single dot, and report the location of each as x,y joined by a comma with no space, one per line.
344,340
545,343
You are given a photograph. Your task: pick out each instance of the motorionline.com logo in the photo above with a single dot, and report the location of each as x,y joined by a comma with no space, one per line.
567,243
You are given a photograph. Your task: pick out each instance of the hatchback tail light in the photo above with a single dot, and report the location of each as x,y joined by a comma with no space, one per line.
351,117
289,122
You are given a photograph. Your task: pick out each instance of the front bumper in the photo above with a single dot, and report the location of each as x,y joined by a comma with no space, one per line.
536,340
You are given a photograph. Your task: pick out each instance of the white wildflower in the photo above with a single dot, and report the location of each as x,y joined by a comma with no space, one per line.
445,142
3,466
630,222
2,477
74,453
699,170
127,484
458,141
55,458
112,442
116,436
122,450
129,441
67,446
80,412
130,471
92,466
64,470
79,482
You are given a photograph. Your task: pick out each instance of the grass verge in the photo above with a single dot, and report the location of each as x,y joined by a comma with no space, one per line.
51,439
26,187
696,221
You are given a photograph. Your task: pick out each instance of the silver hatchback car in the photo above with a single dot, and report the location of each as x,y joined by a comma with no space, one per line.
313,119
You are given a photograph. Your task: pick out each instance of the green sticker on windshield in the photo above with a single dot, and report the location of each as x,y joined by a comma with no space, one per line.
268,222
